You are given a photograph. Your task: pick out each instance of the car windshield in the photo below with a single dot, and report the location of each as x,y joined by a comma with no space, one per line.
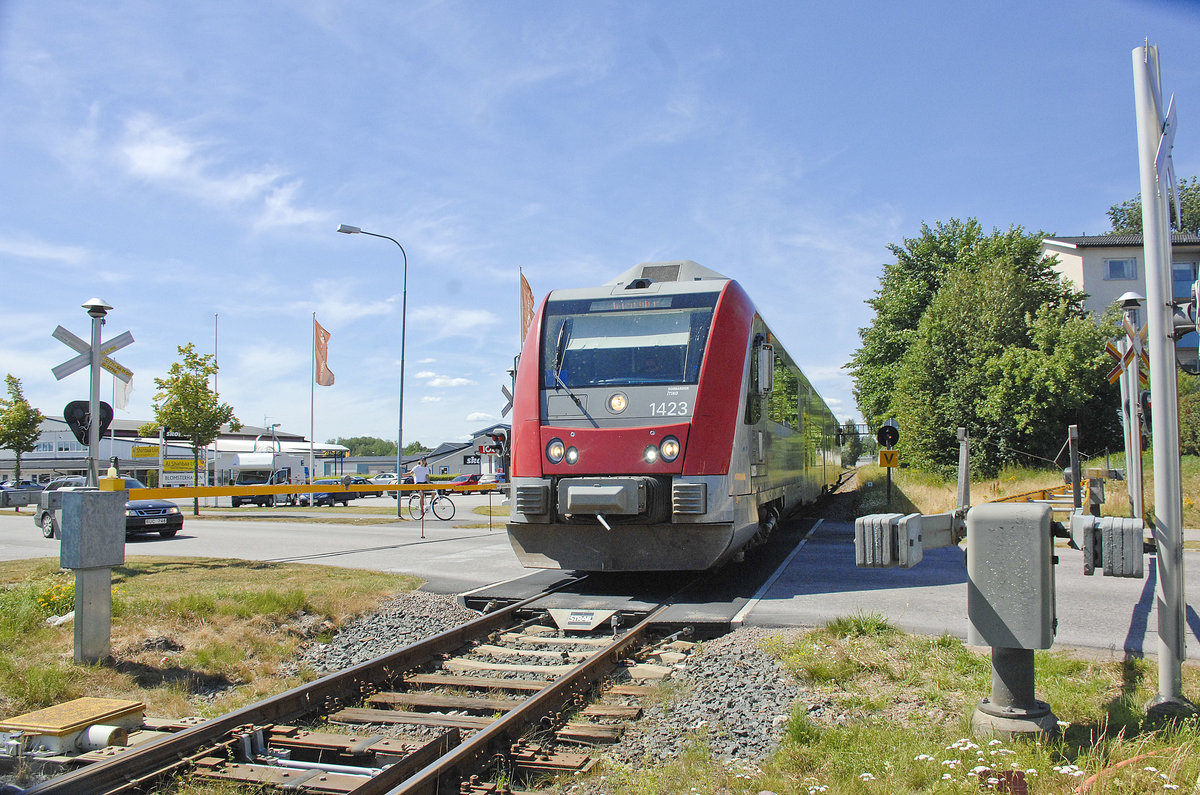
622,341
134,483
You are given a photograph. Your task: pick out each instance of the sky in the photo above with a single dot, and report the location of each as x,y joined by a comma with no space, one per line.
189,164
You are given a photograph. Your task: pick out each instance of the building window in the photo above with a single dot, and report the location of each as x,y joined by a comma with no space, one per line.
1183,274
1120,269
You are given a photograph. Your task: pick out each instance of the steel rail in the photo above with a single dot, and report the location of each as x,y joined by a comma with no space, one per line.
496,739
132,769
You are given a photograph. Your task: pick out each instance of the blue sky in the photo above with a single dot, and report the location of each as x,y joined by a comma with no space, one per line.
186,161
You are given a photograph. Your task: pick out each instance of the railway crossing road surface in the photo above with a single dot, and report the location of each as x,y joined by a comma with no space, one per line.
1100,614
817,583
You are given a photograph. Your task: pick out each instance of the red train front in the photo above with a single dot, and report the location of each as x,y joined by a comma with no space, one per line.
658,426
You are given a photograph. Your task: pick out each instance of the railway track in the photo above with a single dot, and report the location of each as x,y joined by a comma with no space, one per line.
478,691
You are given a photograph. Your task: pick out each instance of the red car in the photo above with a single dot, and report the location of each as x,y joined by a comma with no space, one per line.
464,480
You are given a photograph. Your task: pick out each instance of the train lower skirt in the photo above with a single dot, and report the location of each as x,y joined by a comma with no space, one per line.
626,547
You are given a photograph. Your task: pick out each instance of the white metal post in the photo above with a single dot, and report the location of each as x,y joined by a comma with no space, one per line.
1168,500
97,315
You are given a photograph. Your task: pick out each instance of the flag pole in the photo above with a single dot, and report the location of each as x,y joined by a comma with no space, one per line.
312,398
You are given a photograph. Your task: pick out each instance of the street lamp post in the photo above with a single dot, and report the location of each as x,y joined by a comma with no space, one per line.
346,229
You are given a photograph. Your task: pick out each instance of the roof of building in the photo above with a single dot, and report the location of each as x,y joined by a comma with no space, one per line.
1119,241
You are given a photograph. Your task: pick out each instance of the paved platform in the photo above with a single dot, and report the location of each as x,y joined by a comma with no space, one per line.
1111,615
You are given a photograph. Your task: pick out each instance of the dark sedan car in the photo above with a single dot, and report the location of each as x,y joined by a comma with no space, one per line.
361,481
327,497
141,516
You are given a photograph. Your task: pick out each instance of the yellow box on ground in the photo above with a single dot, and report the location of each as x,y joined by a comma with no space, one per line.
177,465
145,452
889,458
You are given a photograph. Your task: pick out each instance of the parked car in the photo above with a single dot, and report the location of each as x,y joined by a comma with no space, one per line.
464,480
327,497
21,484
141,516
358,480
384,478
490,482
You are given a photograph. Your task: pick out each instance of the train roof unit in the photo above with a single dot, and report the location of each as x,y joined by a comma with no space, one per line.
678,270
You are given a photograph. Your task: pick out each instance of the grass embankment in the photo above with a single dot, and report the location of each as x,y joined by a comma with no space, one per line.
189,637
887,712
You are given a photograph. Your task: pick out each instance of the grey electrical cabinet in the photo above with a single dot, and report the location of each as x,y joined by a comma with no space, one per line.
93,529
1010,576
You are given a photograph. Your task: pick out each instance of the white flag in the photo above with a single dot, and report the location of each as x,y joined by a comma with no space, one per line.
121,392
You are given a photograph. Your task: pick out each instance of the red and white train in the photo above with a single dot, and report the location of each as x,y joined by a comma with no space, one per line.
659,425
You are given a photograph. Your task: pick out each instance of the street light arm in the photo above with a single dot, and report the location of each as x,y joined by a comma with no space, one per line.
354,230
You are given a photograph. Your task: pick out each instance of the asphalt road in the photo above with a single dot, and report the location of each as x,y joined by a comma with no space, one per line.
820,582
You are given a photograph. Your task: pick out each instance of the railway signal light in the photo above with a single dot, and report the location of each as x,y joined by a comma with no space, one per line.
499,439
888,434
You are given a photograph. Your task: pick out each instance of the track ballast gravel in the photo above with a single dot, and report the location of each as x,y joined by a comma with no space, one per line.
729,692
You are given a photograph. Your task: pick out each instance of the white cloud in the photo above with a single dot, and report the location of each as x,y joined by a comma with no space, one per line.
480,416
442,381
430,399
157,153
27,248
449,321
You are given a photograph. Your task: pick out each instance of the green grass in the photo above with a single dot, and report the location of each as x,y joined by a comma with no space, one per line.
232,625
898,719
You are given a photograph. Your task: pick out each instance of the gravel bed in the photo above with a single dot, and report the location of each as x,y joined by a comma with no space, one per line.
397,623
729,692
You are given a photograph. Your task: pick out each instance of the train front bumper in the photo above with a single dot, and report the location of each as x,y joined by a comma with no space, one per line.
626,547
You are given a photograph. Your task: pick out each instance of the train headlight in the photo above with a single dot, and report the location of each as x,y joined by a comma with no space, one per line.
555,451
617,402
650,454
572,455
669,448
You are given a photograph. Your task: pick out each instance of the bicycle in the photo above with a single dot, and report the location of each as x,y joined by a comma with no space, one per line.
441,505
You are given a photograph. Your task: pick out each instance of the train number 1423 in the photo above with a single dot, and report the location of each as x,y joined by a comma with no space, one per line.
669,409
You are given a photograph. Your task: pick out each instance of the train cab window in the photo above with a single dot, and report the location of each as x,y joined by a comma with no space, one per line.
610,343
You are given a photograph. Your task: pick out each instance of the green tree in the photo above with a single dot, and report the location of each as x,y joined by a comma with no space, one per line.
413,448
367,445
1126,217
1000,345
187,406
20,423
908,285
852,448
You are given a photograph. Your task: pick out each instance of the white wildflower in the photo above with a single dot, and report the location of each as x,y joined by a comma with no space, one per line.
866,777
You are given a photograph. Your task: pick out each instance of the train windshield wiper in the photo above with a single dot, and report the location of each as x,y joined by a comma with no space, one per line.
560,353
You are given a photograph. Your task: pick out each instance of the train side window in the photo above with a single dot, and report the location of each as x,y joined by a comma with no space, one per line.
753,398
783,404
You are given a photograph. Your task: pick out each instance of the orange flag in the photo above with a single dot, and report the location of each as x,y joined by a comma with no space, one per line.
324,375
526,307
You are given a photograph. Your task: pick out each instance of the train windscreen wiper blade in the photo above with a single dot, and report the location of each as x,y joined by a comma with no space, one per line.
560,353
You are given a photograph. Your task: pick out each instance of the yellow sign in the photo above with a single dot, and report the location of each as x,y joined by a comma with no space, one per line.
145,452
889,458
177,465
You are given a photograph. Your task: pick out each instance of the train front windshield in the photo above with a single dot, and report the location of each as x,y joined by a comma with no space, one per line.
657,339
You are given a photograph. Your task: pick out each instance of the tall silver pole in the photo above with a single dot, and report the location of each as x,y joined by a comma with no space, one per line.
1168,489
1133,432
354,230
97,314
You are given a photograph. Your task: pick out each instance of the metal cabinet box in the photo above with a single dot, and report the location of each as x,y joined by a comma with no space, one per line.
93,529
1010,576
